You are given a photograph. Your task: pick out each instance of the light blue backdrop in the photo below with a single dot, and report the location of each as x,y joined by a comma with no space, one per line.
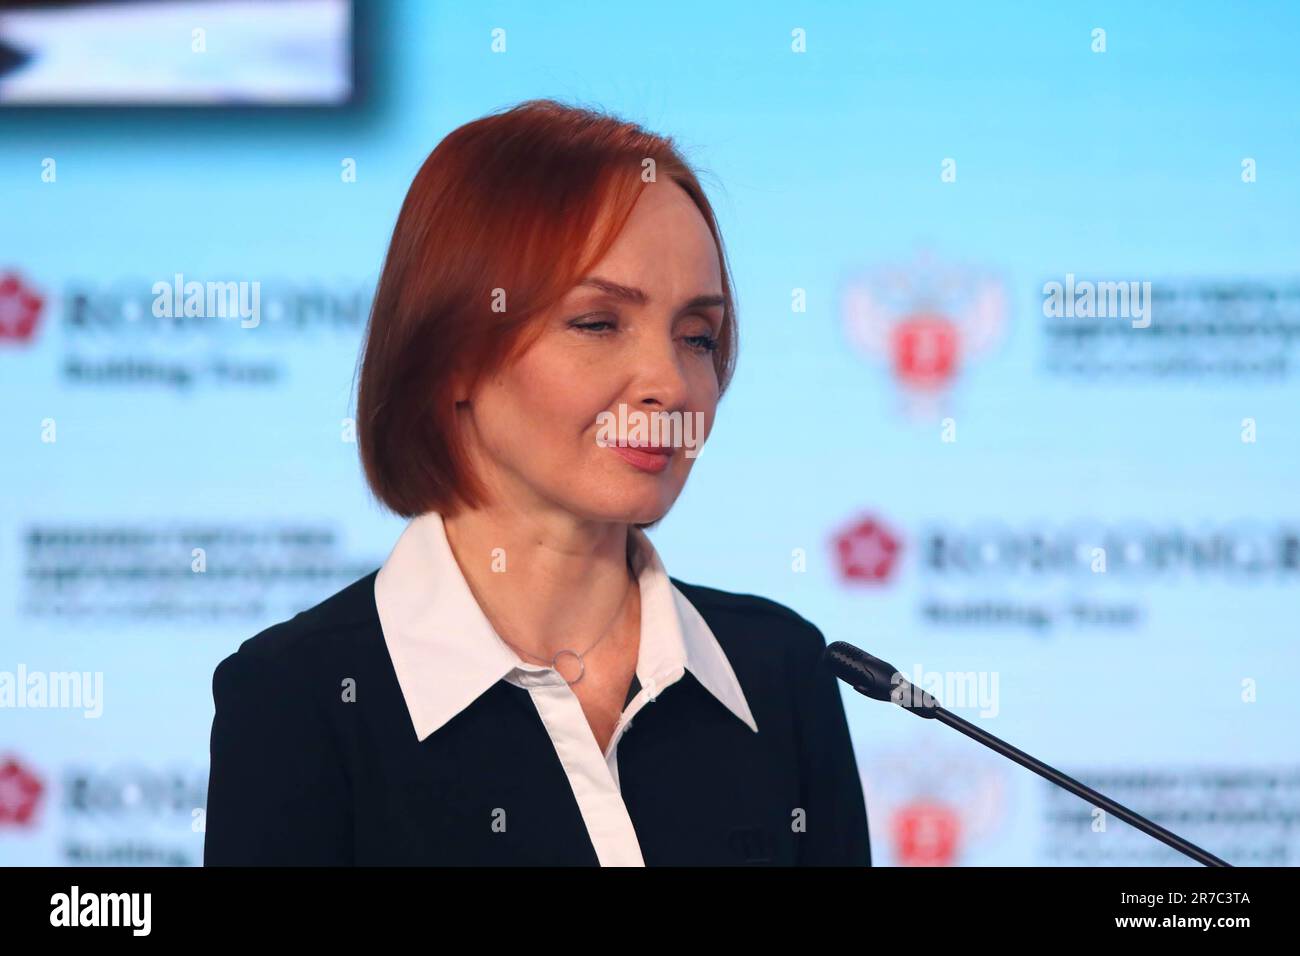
823,165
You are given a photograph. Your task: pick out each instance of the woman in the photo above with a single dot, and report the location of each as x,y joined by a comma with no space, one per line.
521,682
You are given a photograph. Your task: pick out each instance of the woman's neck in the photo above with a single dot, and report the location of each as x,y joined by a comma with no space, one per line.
547,581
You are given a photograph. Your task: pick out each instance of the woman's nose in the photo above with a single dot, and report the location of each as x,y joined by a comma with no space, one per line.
658,374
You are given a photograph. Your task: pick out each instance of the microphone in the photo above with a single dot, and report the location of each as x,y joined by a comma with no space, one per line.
878,680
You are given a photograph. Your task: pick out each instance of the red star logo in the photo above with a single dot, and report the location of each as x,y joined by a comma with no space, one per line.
867,552
20,307
20,791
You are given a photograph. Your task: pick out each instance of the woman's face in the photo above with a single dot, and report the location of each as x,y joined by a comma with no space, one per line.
631,334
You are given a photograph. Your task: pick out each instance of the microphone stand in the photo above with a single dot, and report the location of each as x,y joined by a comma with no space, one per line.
872,677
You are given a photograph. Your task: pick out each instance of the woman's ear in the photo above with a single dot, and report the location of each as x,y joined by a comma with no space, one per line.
459,391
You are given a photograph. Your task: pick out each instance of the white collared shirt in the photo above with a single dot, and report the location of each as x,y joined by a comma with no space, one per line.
446,654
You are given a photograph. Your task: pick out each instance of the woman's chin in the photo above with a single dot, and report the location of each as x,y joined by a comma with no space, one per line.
632,506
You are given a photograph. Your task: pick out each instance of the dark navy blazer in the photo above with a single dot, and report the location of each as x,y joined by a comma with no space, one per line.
299,776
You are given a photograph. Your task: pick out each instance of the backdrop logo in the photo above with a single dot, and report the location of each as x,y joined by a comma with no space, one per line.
20,309
935,803
184,334
20,792
867,551
926,320
1079,573
925,833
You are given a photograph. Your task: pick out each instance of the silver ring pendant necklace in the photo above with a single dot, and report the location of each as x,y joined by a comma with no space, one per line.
554,662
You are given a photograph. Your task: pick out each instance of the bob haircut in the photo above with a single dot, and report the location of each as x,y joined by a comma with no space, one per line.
519,204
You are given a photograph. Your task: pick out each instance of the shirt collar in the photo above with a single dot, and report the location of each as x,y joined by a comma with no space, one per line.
446,653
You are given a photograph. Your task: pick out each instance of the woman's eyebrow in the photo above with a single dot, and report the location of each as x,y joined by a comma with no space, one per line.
637,296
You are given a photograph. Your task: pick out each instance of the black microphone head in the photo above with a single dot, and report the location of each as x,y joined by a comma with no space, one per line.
876,679
866,674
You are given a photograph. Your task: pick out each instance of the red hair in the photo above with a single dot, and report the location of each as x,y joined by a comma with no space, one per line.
524,201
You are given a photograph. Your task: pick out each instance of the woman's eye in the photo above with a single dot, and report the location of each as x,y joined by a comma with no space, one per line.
591,325
597,326
703,343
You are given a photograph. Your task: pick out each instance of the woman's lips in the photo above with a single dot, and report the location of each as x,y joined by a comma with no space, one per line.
650,458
